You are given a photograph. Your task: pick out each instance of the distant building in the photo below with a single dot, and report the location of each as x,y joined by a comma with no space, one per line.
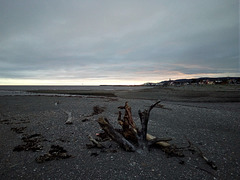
210,82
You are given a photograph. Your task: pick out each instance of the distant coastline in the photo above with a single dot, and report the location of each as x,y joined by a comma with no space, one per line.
197,81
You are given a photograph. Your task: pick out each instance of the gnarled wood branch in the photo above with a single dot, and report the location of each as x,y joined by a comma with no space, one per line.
114,135
128,115
144,118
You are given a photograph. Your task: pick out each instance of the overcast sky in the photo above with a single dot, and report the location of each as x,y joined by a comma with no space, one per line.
117,42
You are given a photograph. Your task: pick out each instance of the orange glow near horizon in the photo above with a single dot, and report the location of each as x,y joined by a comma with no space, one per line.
138,80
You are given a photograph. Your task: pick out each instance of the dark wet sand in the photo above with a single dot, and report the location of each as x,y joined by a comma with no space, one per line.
207,116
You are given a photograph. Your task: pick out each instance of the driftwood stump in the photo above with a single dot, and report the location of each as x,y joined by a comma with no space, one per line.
130,138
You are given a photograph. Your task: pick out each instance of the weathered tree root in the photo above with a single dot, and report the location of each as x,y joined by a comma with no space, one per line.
130,131
130,138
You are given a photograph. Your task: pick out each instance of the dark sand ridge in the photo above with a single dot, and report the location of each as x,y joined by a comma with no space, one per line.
190,93
213,126
77,92
187,93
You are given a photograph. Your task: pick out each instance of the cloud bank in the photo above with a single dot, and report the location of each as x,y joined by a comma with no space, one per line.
117,42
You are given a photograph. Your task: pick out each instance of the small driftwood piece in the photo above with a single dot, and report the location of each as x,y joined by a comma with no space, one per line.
209,162
70,118
69,114
115,136
95,143
162,142
154,140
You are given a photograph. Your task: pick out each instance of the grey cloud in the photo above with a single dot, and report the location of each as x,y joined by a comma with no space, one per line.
106,39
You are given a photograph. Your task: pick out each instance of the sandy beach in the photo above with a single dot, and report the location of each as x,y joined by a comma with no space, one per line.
208,116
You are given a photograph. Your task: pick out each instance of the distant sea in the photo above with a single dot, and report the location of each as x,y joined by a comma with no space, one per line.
22,90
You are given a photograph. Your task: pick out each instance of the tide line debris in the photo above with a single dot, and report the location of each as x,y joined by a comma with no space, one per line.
31,143
55,153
